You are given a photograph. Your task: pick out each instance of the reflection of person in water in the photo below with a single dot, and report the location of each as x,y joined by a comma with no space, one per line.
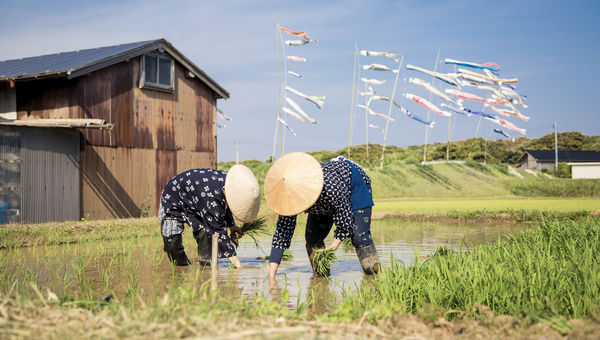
207,200
320,295
337,191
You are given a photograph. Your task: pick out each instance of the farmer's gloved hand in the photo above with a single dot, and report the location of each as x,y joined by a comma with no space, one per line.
173,246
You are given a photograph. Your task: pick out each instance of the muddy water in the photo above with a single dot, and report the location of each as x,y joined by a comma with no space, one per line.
140,267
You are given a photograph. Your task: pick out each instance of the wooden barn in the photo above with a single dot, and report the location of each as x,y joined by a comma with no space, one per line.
97,133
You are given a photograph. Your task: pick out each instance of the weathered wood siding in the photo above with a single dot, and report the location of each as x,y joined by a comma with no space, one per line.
157,134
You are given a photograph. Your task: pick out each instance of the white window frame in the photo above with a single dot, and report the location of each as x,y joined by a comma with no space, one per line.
158,86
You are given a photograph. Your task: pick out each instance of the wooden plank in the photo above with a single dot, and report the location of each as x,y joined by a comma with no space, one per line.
166,168
105,186
97,104
191,160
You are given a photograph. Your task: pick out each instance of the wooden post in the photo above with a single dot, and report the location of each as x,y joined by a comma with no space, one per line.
214,265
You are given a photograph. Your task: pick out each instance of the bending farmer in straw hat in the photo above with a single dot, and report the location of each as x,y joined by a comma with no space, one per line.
207,200
337,191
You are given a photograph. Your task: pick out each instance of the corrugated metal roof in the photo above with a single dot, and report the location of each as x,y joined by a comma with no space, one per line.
565,156
63,62
77,63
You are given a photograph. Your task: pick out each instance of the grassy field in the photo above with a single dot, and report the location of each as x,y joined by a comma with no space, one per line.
540,282
447,206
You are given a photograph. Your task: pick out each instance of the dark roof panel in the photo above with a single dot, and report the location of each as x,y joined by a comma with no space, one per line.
62,62
77,63
565,156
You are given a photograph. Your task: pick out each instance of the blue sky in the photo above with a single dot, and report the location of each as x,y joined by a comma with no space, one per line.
550,46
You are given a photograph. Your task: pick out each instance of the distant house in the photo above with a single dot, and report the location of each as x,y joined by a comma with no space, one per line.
585,170
97,133
545,159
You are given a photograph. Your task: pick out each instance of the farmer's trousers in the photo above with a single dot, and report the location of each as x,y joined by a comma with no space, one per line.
319,226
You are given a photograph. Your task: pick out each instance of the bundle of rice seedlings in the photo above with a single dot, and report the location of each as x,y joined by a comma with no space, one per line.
287,255
255,227
251,229
322,262
347,243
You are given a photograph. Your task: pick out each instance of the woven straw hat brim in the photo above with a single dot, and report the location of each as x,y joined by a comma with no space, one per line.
293,184
242,193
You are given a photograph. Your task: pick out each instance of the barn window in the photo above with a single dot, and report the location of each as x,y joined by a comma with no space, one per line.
157,71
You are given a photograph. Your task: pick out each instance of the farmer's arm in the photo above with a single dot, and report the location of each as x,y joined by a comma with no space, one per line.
234,231
235,262
281,240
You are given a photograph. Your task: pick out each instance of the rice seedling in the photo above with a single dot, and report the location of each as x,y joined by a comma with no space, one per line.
347,244
287,256
255,227
551,271
322,262
252,229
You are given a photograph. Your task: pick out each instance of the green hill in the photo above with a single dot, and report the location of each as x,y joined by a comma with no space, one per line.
407,178
476,149
403,176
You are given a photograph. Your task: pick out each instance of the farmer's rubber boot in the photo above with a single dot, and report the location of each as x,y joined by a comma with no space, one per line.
204,247
368,259
174,247
310,250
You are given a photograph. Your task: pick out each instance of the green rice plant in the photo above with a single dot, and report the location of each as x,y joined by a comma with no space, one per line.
347,244
322,261
551,270
255,227
287,256
252,229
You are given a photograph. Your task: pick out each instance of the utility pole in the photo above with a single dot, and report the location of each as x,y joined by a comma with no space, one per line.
555,148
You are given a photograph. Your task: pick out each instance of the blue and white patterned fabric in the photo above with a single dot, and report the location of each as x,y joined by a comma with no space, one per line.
197,197
334,201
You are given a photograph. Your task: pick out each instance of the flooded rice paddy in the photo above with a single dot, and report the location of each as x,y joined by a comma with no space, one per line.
138,268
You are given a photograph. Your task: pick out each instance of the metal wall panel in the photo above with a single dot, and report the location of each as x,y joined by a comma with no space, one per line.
50,175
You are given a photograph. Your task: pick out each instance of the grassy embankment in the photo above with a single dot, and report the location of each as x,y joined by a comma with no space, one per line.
405,189
406,178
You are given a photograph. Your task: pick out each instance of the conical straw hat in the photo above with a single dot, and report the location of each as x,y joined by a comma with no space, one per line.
242,193
293,184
